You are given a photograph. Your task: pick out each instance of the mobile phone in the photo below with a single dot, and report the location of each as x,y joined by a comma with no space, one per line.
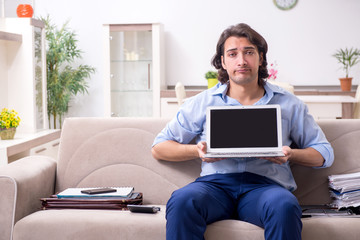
98,190
143,209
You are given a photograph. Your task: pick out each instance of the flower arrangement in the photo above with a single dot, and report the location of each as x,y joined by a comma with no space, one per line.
273,71
9,119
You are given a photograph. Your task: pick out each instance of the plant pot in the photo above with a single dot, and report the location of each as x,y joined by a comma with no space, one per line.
7,134
345,84
212,82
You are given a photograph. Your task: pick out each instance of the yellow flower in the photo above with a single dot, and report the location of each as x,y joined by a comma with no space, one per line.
9,118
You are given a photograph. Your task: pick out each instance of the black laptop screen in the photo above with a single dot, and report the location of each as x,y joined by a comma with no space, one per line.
243,128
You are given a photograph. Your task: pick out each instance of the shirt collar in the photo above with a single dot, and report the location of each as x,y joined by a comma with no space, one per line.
221,89
273,88
270,91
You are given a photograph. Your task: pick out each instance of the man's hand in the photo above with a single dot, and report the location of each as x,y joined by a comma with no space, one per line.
306,157
201,147
280,160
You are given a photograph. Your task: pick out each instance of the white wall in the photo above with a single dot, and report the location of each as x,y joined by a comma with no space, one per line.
301,40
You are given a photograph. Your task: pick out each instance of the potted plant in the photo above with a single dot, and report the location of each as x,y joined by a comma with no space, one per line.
9,121
212,78
64,80
348,58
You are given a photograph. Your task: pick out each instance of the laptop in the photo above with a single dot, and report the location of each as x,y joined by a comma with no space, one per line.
243,131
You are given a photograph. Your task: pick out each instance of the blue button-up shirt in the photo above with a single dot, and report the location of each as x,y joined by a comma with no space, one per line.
298,127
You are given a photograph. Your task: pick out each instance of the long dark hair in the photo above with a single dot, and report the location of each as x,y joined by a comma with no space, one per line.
241,30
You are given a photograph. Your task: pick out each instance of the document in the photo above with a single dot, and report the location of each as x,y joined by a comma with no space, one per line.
345,190
345,182
76,193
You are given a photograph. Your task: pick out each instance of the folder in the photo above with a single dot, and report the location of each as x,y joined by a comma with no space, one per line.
111,203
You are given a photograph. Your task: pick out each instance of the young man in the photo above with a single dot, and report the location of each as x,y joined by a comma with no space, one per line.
254,190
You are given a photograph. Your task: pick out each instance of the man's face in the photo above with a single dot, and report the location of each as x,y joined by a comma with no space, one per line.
241,60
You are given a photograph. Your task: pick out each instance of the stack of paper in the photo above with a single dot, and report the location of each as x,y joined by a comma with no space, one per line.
345,190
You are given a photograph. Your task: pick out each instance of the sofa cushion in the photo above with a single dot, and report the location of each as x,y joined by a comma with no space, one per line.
91,225
233,229
330,228
111,224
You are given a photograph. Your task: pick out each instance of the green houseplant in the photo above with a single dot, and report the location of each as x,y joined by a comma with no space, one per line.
348,58
63,79
212,78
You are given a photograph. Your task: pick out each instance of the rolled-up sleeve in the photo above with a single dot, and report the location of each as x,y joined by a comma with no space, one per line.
176,132
180,128
327,152
309,134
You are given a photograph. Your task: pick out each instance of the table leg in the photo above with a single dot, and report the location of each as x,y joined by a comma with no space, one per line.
347,110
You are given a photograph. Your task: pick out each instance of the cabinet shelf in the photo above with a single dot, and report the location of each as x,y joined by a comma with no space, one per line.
11,37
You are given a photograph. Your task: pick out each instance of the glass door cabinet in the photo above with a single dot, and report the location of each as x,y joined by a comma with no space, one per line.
133,70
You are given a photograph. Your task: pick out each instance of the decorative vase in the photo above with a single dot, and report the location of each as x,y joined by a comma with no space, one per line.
212,82
7,134
345,84
25,11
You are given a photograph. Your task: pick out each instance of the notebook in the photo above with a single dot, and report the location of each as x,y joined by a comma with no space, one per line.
76,193
243,131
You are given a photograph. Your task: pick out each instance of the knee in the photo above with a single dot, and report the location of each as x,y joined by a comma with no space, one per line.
282,220
184,199
283,206
284,200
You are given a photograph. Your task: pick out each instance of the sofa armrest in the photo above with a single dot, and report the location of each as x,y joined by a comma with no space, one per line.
22,184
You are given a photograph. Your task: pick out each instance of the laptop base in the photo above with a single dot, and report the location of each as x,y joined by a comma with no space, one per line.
244,155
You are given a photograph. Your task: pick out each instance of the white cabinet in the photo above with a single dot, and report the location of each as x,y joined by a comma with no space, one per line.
50,149
329,106
169,107
133,56
325,111
23,72
25,144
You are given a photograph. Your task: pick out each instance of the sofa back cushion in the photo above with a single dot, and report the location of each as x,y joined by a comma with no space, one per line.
97,152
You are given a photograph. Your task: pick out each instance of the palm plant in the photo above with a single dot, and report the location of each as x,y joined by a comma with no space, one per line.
348,58
63,79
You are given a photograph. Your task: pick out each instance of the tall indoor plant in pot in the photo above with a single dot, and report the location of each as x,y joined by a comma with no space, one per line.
348,58
64,79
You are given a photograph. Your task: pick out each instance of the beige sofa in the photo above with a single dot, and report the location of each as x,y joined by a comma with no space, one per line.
116,152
